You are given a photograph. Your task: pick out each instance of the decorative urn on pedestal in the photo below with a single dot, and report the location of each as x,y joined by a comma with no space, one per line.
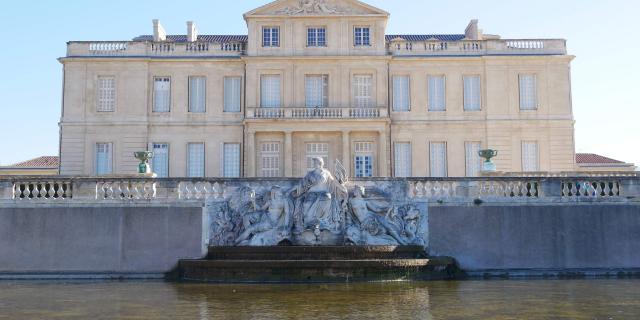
488,154
144,168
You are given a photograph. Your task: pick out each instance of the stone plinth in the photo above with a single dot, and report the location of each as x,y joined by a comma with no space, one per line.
316,264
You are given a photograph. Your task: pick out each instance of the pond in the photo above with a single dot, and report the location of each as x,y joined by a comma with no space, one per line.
499,299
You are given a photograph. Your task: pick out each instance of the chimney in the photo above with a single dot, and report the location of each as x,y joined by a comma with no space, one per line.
192,31
472,32
158,31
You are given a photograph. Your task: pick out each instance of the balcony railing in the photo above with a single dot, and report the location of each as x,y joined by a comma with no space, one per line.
317,113
154,49
49,190
400,47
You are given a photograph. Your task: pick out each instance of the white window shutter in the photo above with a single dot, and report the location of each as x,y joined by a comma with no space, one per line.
106,94
270,91
436,93
402,159
530,156
401,98
104,158
231,152
528,92
362,91
195,160
472,93
316,91
473,163
232,94
438,159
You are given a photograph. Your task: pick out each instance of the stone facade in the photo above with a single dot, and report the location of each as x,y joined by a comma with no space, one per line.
374,93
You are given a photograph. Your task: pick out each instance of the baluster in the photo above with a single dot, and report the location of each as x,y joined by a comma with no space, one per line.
616,190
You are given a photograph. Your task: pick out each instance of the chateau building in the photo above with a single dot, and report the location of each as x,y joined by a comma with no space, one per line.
316,78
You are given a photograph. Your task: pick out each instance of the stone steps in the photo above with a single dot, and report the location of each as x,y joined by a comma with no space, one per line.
316,264
316,253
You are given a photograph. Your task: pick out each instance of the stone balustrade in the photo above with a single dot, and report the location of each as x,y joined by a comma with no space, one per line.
152,49
400,47
316,113
49,190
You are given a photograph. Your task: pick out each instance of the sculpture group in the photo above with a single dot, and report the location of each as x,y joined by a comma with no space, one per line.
320,209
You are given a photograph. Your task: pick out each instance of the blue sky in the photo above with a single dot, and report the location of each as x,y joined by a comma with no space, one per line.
602,34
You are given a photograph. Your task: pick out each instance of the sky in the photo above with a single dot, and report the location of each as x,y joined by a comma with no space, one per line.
603,35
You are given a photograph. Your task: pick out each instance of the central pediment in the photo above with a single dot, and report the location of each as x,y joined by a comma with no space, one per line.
316,8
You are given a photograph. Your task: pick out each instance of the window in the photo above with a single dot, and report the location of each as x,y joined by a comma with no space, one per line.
317,150
270,159
270,37
530,156
438,159
316,37
363,159
362,94
472,93
231,160
528,92
106,94
401,97
195,160
160,160
436,93
362,36
402,159
197,94
161,94
232,94
473,163
270,91
104,159
316,91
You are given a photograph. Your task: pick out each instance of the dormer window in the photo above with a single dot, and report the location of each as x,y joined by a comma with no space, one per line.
362,36
270,36
317,37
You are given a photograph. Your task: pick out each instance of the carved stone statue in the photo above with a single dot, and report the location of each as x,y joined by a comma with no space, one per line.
369,223
319,200
309,7
269,225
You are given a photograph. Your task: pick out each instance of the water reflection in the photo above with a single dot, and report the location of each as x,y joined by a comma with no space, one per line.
581,299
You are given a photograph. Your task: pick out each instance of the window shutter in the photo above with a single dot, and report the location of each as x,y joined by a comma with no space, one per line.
161,94
270,159
438,159
106,94
160,160
316,91
436,93
362,91
270,91
231,161
195,160
104,159
232,94
473,163
197,94
472,93
401,96
402,157
530,156
528,92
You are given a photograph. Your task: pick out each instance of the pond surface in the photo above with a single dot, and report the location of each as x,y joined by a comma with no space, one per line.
508,299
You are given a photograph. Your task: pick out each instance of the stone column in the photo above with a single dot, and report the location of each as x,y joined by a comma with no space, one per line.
288,154
346,151
383,158
250,154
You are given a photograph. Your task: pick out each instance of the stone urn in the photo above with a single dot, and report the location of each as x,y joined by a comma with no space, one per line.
144,168
488,154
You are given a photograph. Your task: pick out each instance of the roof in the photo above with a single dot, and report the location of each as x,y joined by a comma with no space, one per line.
426,37
592,158
45,162
215,38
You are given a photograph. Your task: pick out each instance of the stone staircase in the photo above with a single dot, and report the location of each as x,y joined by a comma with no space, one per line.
316,264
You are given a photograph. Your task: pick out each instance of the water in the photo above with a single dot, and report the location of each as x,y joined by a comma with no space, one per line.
530,299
